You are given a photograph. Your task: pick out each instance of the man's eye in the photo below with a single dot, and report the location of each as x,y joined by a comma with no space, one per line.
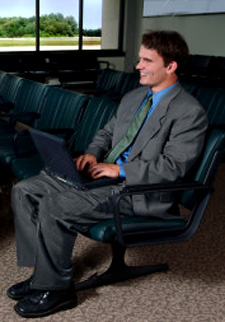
147,60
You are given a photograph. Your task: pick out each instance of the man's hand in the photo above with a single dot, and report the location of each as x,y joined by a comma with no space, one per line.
85,160
104,170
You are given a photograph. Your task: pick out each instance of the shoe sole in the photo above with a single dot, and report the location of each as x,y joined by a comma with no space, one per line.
61,307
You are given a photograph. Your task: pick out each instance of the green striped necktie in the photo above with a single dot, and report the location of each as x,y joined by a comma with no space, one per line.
131,133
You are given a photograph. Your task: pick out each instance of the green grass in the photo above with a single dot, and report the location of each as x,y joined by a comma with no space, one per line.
46,42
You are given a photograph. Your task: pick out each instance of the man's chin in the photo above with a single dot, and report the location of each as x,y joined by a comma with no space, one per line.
144,82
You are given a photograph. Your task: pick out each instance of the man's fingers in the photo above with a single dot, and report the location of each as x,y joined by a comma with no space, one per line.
85,159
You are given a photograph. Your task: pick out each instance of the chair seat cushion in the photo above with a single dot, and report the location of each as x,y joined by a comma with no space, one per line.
24,168
105,230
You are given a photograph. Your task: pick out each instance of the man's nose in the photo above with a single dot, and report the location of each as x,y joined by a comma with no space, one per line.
138,65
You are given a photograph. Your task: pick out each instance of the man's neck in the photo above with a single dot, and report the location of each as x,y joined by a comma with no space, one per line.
169,82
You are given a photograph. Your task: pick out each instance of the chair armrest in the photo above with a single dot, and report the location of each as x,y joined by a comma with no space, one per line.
25,117
146,189
63,132
163,187
23,143
6,106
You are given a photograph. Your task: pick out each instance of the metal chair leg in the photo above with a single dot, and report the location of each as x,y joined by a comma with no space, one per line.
119,271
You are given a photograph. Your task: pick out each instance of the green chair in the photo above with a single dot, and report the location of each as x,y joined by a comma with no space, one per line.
59,115
28,100
130,82
97,112
194,195
2,76
213,101
109,83
8,90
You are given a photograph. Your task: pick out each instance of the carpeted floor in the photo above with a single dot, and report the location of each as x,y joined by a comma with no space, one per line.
193,290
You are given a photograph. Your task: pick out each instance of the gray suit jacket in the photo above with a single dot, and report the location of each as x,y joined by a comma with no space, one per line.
167,146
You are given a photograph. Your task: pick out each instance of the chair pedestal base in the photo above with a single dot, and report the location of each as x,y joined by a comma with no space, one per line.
119,271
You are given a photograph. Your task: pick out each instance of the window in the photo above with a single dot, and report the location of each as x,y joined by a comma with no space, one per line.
17,25
59,25
92,24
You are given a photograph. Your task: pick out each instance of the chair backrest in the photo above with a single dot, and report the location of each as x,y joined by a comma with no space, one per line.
130,82
62,109
110,81
30,96
190,86
206,168
9,87
217,66
213,101
97,113
2,76
198,66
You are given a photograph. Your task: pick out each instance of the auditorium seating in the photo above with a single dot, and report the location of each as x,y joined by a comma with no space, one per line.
68,113
115,84
70,66
97,112
205,70
27,98
8,90
60,110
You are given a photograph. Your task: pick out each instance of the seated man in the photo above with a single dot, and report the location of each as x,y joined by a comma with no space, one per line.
156,136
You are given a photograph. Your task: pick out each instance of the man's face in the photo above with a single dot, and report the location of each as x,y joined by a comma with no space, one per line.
152,70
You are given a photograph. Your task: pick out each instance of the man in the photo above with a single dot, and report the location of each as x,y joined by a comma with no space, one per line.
49,214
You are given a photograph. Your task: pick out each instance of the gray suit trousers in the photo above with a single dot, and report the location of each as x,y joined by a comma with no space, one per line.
48,216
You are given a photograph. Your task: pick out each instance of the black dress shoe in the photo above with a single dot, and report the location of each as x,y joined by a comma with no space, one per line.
19,290
43,303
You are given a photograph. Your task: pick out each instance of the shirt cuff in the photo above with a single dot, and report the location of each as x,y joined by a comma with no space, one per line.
122,171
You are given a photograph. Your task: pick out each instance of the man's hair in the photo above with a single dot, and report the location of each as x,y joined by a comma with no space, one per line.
170,45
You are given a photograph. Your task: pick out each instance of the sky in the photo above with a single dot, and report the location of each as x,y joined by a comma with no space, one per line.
26,8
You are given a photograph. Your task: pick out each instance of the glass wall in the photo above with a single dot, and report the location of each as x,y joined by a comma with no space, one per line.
17,25
48,25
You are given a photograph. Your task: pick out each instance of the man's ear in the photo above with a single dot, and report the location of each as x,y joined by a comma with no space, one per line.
171,68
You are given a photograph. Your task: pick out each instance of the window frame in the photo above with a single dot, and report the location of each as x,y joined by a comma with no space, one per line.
99,52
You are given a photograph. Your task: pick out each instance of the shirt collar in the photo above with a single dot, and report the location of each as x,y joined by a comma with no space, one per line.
156,97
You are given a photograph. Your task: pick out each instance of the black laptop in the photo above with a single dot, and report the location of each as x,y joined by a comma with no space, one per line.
58,162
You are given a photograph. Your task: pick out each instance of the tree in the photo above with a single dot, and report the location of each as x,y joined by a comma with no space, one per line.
51,25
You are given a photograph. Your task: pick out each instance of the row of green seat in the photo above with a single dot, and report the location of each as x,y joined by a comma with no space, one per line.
206,67
64,112
67,66
115,83
56,110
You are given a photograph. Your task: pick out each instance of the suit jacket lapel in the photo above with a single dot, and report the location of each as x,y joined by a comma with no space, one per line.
128,115
154,123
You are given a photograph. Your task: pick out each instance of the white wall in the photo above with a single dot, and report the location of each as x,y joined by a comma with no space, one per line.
203,33
110,24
